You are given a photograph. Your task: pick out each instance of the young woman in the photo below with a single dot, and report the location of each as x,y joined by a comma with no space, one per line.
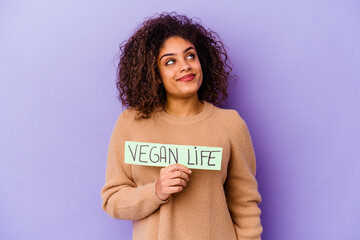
172,72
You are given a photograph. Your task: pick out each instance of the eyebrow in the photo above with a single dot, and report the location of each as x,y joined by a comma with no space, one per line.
171,54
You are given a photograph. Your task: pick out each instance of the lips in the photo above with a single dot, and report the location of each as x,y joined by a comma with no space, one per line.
187,78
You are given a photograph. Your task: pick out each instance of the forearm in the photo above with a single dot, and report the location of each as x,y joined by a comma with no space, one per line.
131,203
248,224
243,199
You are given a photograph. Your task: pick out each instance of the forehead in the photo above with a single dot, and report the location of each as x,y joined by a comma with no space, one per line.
175,45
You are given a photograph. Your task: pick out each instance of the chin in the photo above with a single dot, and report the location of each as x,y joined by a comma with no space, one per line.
188,94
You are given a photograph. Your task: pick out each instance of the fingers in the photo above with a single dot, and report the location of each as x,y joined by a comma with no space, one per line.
172,179
174,189
179,174
164,191
177,182
177,167
176,171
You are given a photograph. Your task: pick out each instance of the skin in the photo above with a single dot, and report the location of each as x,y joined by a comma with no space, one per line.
177,58
173,63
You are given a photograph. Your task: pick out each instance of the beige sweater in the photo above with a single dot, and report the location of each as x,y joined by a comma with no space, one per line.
214,204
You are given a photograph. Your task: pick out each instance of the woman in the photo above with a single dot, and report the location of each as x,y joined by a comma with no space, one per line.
172,73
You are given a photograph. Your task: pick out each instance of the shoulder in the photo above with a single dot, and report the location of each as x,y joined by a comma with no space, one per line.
232,123
128,114
230,118
126,117
125,121
235,126
128,121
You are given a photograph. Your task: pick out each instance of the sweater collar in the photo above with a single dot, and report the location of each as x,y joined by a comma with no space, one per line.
204,114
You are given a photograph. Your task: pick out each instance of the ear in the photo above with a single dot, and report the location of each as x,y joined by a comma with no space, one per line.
158,81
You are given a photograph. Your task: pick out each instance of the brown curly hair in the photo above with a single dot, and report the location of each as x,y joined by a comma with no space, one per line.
137,71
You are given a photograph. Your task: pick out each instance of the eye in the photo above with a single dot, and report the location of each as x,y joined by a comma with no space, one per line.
190,56
170,62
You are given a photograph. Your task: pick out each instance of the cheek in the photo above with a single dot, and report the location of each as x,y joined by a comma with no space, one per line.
167,79
201,73
198,66
163,76
166,73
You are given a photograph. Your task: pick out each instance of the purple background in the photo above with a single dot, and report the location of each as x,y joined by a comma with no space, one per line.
298,63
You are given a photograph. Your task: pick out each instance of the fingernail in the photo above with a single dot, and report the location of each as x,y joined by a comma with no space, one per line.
189,171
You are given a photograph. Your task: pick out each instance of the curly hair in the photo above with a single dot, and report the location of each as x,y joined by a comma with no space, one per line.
137,71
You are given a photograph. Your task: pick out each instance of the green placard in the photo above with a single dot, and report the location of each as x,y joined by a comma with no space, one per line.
162,155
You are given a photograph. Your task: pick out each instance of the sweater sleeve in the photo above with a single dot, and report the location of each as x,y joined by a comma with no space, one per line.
122,198
241,187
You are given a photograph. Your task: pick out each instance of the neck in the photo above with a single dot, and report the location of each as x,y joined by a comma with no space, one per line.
183,107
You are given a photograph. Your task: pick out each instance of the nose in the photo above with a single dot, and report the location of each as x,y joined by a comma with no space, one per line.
185,67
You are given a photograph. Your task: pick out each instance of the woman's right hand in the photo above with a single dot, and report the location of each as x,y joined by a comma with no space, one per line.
172,179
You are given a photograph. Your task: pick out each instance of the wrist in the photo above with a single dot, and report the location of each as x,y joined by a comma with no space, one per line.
161,197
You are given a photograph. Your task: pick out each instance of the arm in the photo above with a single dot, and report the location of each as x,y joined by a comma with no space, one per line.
122,198
241,187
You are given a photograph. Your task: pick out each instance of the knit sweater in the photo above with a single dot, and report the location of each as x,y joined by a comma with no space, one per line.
215,204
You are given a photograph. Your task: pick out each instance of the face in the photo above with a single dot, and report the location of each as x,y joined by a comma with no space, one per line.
179,68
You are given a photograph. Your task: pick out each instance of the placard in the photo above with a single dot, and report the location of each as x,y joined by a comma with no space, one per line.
162,155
